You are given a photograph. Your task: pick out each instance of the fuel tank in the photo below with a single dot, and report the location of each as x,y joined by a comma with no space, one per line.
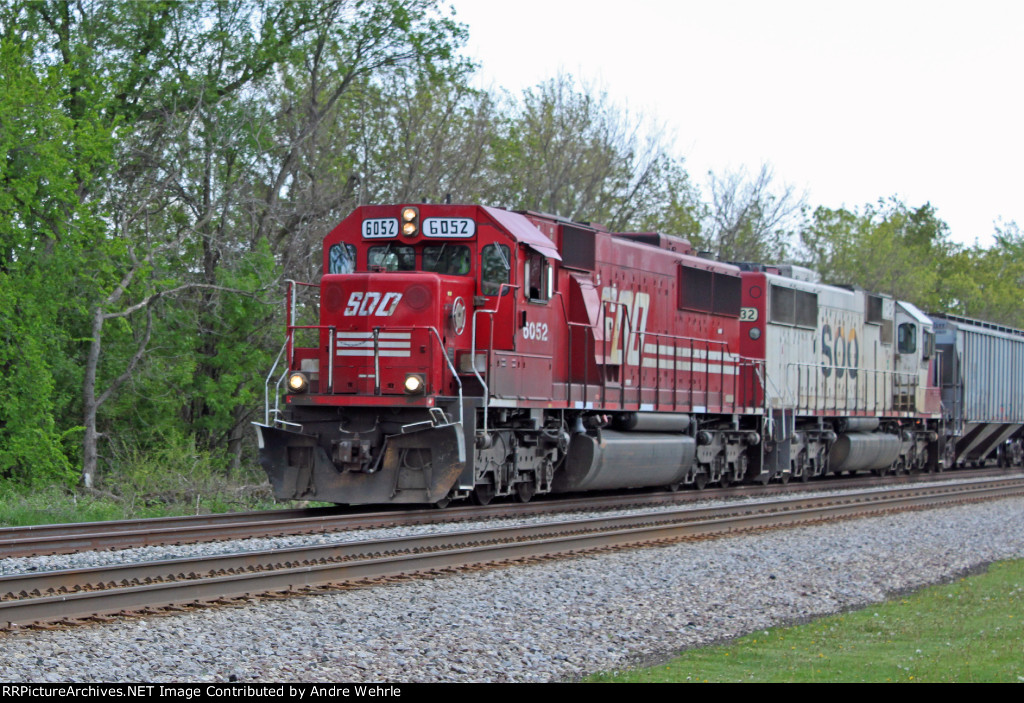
625,460
856,451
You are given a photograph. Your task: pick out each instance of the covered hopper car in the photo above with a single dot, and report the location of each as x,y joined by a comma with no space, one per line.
454,351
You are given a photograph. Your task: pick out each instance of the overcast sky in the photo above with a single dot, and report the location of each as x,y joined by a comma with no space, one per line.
850,102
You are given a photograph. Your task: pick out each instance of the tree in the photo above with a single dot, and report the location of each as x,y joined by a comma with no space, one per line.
886,248
569,151
45,158
214,115
750,219
987,283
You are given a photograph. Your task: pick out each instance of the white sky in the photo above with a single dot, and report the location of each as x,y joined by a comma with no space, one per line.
851,101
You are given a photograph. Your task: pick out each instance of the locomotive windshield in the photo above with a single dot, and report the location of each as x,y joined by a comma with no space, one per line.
392,258
450,259
343,258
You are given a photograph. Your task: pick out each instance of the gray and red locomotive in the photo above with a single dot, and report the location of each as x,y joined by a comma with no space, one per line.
461,351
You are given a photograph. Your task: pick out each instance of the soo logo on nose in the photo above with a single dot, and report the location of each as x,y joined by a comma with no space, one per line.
372,303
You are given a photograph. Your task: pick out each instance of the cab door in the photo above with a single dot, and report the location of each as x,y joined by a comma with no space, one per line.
523,368
538,333
915,342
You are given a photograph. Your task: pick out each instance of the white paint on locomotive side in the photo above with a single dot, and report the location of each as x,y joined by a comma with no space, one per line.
372,303
690,359
625,323
536,331
393,344
840,364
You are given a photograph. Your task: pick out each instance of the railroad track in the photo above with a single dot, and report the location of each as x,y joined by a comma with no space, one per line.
39,540
68,597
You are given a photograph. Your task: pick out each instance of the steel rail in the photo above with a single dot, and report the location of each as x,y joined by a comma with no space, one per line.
123,534
278,570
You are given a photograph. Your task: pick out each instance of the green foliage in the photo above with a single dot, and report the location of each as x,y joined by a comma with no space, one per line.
886,248
225,373
46,505
166,470
174,167
969,631
906,252
987,283
569,150
45,232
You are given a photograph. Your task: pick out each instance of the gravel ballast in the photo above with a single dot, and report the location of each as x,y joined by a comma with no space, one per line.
552,621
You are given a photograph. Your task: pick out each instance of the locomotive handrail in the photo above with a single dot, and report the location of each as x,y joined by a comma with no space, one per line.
893,381
288,346
451,367
472,345
698,348
290,303
286,350
266,387
586,366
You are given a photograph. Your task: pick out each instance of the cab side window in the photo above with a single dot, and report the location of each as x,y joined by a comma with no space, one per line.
907,338
538,278
495,268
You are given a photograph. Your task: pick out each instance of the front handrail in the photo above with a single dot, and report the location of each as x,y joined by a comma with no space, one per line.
290,304
451,368
331,330
266,388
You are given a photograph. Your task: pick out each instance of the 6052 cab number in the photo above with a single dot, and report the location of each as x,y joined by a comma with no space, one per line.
380,228
449,227
536,330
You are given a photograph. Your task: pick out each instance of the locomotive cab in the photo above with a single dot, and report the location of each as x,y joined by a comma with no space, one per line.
418,305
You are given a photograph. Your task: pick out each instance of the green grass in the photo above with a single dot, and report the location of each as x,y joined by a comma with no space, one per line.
166,475
59,504
52,504
971,630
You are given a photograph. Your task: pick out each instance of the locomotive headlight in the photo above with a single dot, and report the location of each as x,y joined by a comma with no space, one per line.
410,221
298,382
755,333
414,383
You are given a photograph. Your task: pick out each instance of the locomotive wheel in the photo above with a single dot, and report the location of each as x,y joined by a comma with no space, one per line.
784,477
726,479
443,503
673,487
483,493
525,491
700,481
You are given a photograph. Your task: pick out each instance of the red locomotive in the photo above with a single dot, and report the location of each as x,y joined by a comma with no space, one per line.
462,350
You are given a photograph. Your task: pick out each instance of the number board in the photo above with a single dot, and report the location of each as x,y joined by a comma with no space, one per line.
380,228
449,227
